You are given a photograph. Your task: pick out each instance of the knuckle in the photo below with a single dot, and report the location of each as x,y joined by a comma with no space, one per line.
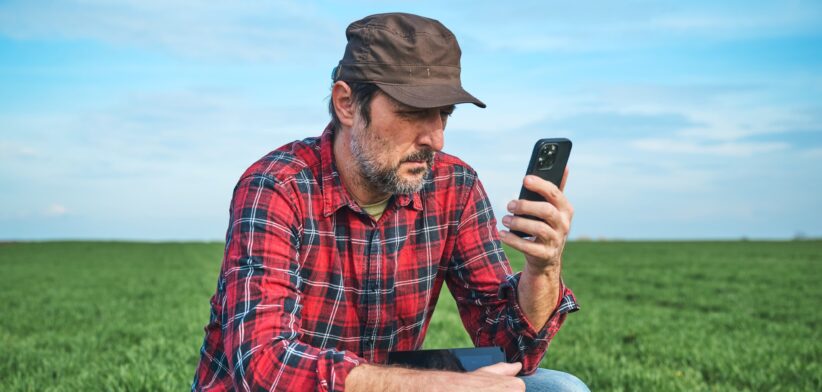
549,215
564,226
544,232
567,225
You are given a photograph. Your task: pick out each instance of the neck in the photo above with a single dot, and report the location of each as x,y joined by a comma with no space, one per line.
350,175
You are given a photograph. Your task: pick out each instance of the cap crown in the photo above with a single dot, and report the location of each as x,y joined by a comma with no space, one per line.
413,59
400,48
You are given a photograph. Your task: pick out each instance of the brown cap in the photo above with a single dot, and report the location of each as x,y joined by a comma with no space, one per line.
413,59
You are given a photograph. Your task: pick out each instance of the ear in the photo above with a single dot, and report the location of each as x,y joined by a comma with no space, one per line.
343,103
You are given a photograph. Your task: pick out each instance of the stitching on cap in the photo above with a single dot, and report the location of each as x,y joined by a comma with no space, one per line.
399,65
397,33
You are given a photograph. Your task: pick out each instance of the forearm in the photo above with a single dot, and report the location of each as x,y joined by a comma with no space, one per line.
538,293
498,377
368,377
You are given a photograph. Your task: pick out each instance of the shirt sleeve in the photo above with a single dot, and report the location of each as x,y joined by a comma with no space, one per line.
260,311
485,289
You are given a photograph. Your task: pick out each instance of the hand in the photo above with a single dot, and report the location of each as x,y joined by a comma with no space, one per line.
544,250
497,377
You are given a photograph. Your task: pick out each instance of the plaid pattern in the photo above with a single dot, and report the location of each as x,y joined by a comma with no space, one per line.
311,286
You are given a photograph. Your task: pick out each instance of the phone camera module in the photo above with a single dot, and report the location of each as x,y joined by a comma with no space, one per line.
547,156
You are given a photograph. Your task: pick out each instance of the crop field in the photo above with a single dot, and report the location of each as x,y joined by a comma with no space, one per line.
656,316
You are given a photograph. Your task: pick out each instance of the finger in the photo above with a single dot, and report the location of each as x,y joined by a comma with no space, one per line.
547,190
564,177
544,211
502,368
528,247
536,228
547,212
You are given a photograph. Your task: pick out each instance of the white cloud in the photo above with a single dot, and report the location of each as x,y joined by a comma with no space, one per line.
731,149
12,150
813,153
557,26
56,210
254,31
282,30
163,158
666,148
153,133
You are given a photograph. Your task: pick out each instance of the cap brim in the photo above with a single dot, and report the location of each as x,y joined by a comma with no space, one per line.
429,96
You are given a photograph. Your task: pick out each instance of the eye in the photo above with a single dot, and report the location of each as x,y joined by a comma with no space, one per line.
447,111
414,114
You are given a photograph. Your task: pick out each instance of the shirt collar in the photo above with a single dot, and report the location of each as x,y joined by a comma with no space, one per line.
335,196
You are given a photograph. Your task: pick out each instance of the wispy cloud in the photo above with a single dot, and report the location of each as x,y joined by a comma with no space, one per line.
734,149
247,31
152,134
678,110
55,210
161,156
558,26
14,150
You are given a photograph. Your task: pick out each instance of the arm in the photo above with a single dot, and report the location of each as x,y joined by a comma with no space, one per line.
488,294
261,300
538,293
499,377
540,286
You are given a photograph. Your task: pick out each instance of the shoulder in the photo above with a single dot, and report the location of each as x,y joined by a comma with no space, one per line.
286,163
452,171
451,183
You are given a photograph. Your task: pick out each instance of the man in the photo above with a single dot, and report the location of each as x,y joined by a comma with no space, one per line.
338,246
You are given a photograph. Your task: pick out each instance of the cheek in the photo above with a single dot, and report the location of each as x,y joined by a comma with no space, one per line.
385,149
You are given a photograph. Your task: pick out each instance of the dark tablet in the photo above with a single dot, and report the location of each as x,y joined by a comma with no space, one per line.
453,359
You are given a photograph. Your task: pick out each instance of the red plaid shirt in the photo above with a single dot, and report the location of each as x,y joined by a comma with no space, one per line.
311,286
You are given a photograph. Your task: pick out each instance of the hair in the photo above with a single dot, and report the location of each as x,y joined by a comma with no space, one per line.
361,93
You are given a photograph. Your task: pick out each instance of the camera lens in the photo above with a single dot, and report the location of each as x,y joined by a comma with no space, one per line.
547,156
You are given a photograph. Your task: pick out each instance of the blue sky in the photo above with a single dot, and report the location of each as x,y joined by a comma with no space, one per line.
690,120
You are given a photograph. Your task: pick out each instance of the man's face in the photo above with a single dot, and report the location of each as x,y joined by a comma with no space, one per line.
396,150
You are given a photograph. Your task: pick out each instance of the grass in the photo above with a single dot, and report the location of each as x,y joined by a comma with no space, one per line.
666,316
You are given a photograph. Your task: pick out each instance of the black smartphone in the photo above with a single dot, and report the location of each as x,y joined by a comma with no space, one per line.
548,161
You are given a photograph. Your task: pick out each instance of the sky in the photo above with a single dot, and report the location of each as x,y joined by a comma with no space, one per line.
133,120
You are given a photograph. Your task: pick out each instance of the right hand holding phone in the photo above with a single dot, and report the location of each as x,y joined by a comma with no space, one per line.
549,232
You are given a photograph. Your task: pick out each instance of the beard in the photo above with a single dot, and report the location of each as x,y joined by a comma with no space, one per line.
384,178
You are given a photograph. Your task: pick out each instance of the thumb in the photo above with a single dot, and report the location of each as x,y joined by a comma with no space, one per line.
502,368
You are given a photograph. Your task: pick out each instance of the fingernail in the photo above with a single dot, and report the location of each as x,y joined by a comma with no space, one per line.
506,220
503,233
511,205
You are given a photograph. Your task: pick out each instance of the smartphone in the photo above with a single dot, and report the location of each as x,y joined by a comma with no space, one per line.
548,161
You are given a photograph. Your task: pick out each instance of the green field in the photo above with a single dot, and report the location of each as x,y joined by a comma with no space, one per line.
656,316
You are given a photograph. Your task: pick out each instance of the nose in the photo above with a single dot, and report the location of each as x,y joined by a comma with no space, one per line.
432,131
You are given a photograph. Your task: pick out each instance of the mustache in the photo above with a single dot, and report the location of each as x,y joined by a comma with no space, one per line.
426,155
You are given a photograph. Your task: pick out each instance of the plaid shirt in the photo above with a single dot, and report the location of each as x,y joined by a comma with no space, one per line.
311,286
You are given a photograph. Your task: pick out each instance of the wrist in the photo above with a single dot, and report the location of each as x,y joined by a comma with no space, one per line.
532,271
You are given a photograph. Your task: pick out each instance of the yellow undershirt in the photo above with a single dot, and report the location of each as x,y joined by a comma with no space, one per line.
376,209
